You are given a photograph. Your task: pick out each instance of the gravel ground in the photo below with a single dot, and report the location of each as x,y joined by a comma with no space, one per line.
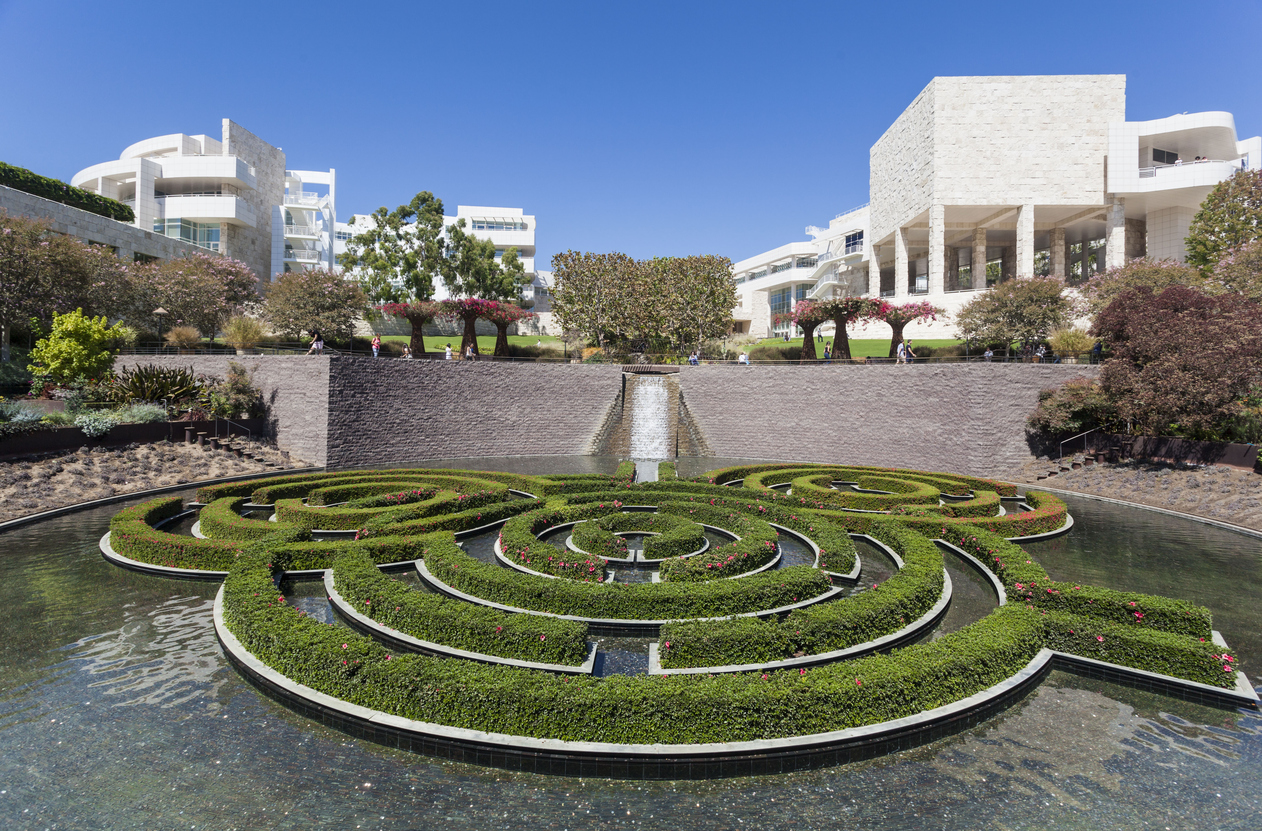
28,487
1222,493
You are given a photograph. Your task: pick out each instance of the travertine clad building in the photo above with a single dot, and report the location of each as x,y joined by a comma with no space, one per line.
985,179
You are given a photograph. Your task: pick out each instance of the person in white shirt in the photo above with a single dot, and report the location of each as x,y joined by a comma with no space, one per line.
448,352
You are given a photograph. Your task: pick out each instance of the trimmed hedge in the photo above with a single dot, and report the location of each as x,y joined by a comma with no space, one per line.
630,709
666,471
756,547
221,520
825,627
468,519
432,617
1026,582
1151,650
19,178
132,534
341,518
619,601
947,482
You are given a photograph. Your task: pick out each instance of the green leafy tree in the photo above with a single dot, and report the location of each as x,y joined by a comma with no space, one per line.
41,273
78,346
693,296
1180,362
1158,275
897,317
1229,217
314,300
843,311
398,257
201,290
1027,309
1239,272
471,270
593,294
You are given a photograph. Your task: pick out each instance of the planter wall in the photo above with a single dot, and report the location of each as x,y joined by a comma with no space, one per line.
71,438
1170,449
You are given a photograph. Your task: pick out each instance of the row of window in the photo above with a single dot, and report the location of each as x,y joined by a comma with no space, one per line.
202,234
497,225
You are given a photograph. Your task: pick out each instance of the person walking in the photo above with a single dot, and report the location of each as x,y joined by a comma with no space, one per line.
911,354
376,345
469,354
449,351
901,353
317,343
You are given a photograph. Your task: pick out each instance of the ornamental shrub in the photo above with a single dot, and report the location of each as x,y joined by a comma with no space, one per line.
79,346
19,178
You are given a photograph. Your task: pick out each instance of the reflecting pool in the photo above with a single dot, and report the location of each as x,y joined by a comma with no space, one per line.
118,710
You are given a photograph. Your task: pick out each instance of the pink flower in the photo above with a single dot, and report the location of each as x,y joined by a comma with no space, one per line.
1099,638
343,646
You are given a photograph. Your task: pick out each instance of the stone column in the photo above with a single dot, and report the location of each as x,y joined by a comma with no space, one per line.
1007,264
900,263
937,246
1115,234
874,271
979,258
1057,253
952,257
1025,241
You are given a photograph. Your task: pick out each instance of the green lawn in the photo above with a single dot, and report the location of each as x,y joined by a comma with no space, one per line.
865,348
486,343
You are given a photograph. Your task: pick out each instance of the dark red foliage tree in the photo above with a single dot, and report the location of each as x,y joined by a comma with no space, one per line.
1181,361
467,309
504,315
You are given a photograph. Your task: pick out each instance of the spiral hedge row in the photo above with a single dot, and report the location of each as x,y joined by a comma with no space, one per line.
403,515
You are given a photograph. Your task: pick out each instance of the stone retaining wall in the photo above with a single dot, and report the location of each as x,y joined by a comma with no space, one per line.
965,418
350,412
387,412
296,388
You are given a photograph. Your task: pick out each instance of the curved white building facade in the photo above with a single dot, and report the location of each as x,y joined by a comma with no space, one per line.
985,179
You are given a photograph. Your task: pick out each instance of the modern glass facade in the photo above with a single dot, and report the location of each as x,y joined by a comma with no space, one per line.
202,234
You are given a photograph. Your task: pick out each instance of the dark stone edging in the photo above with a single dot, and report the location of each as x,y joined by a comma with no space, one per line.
980,568
402,641
123,497
633,761
908,633
1242,696
606,626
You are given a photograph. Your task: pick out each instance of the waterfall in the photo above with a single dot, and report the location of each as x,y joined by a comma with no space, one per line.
650,418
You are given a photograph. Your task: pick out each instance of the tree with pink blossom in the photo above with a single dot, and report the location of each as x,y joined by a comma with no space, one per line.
504,315
899,316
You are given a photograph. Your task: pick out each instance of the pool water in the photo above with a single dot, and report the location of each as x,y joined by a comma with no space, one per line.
118,710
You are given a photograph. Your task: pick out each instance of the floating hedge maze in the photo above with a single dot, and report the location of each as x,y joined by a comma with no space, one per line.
752,654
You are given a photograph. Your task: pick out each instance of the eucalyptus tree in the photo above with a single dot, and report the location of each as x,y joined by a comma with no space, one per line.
397,257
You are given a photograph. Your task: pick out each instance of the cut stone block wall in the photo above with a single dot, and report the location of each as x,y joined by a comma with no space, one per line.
90,227
296,389
386,412
963,418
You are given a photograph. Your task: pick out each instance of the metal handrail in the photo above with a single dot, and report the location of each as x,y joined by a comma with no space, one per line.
1061,451
248,431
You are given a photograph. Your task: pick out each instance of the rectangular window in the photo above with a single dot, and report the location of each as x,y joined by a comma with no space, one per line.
758,275
807,262
854,242
202,234
1164,157
801,290
738,280
496,225
779,267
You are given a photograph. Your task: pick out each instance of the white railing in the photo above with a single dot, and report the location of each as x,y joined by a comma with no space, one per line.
226,190
301,231
853,248
852,210
302,255
312,199
829,277
1150,172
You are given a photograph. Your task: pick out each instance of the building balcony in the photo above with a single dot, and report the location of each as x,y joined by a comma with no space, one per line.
227,169
303,200
302,232
207,208
302,255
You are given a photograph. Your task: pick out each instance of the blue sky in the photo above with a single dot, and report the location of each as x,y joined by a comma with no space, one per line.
649,128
